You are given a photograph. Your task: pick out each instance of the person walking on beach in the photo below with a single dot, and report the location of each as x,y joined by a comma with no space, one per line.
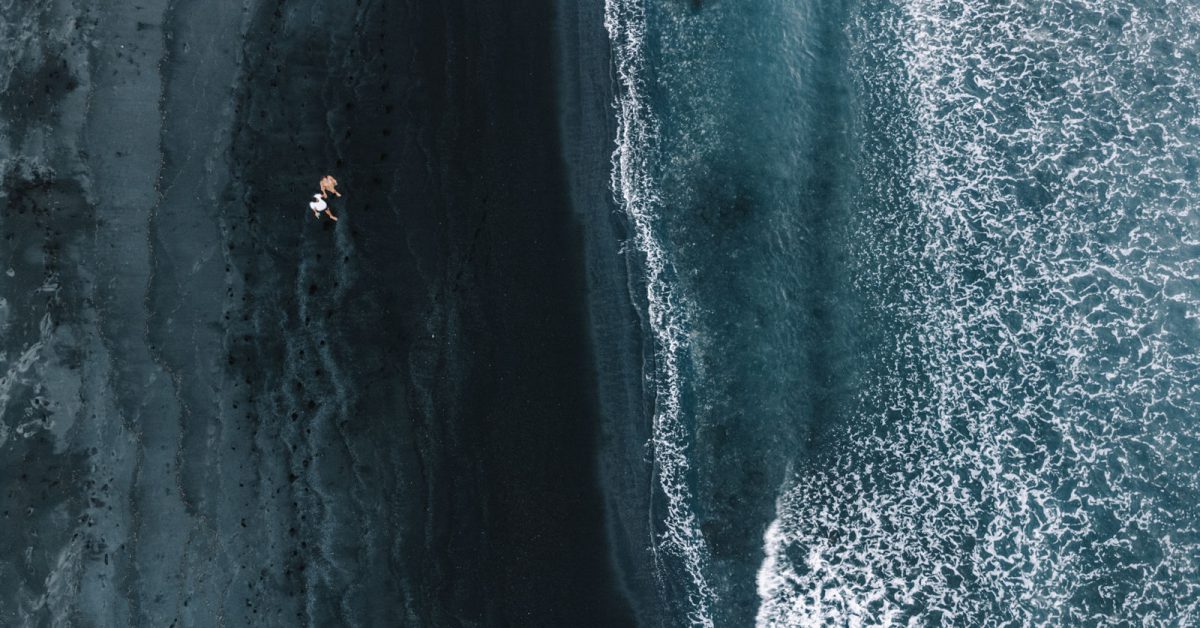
329,184
318,207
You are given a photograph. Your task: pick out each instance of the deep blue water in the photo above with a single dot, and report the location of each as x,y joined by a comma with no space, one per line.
921,281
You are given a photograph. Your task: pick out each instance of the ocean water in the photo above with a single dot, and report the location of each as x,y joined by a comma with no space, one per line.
921,283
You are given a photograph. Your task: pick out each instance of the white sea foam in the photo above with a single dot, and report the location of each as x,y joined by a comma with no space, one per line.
633,184
1038,461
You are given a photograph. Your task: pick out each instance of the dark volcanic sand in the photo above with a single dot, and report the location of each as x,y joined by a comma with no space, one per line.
219,411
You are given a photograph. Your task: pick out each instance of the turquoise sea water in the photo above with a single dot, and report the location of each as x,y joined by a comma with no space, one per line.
923,290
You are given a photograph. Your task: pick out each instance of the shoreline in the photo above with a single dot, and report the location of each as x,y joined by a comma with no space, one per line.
616,307
531,409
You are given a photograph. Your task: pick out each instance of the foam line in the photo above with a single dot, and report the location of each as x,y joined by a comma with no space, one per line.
634,187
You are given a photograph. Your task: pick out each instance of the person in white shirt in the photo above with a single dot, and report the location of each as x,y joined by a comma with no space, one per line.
318,207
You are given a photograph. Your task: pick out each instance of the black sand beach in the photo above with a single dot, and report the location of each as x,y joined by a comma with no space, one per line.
229,413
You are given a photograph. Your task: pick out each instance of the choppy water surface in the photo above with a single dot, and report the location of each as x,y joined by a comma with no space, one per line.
924,284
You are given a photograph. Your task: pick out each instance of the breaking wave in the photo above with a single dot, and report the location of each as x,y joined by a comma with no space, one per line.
1029,453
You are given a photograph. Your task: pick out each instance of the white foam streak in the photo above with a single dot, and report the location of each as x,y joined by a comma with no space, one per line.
633,184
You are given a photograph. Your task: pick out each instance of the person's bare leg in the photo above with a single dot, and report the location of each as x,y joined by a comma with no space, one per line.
331,214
